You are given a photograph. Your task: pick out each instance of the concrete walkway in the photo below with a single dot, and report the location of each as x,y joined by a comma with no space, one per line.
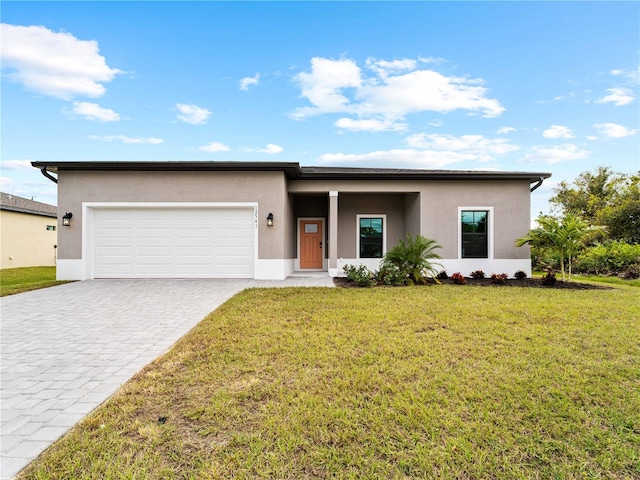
64,350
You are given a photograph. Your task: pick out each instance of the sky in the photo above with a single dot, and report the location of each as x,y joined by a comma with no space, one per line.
509,86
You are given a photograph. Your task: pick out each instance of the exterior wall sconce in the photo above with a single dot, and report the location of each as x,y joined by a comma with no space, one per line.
66,219
270,220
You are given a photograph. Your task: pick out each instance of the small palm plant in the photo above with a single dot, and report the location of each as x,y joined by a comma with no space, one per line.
565,237
414,258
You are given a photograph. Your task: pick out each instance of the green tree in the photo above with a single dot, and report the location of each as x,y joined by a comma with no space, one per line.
622,217
605,198
565,238
589,193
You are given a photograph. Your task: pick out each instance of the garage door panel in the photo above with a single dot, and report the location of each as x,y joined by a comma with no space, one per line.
155,251
115,233
121,270
173,242
123,251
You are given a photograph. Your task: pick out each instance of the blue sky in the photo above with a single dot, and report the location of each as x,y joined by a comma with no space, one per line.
516,86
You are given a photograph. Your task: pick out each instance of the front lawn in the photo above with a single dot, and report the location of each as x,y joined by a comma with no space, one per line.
416,382
18,280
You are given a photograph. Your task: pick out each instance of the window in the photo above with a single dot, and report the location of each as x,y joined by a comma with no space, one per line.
371,242
475,236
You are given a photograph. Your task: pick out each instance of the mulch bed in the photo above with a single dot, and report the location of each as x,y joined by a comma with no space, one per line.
486,282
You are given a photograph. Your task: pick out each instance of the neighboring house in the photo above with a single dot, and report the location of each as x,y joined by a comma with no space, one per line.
213,219
28,232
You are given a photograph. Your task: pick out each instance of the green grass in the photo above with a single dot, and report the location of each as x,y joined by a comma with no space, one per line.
417,382
18,280
609,280
597,279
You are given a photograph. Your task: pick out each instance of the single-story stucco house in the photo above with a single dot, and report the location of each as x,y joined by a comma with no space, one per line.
28,232
267,220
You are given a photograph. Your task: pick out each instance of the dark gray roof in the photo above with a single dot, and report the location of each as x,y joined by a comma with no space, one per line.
415,174
15,203
293,170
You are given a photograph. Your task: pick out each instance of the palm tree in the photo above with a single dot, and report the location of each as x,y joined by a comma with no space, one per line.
566,238
415,257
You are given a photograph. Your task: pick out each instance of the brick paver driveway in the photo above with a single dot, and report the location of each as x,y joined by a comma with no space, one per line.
66,349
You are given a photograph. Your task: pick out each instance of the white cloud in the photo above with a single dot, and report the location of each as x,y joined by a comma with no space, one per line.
432,151
557,131
631,75
192,113
561,153
384,68
93,111
432,60
324,85
505,130
426,90
619,96
246,82
16,165
614,130
370,125
54,63
6,182
479,148
394,90
125,139
214,147
419,158
271,149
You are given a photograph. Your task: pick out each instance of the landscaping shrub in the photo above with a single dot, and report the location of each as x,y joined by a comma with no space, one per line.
499,278
414,258
392,275
611,258
360,275
549,280
520,275
478,275
442,275
458,278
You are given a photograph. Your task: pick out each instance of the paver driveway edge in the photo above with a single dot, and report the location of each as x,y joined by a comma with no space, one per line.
64,350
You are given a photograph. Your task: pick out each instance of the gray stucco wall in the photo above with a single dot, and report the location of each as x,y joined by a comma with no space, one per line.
510,202
426,207
436,214
268,189
351,205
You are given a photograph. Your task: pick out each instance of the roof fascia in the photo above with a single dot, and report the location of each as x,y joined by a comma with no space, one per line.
290,169
293,170
30,212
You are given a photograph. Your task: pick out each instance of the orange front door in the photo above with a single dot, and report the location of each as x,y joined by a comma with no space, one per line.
311,244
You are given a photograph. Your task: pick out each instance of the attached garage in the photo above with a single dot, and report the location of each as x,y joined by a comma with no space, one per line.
172,241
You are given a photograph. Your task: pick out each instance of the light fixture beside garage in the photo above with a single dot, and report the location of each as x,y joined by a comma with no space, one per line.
270,220
66,219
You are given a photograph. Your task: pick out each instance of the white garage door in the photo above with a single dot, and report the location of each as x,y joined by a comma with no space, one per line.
173,242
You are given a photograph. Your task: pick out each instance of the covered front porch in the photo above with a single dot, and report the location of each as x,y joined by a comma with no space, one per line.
334,228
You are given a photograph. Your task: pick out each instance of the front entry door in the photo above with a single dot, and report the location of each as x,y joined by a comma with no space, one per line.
311,244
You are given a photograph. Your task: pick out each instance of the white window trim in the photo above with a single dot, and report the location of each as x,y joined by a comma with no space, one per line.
384,232
489,231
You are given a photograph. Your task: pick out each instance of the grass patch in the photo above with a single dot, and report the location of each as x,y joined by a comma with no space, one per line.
18,280
609,280
416,382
